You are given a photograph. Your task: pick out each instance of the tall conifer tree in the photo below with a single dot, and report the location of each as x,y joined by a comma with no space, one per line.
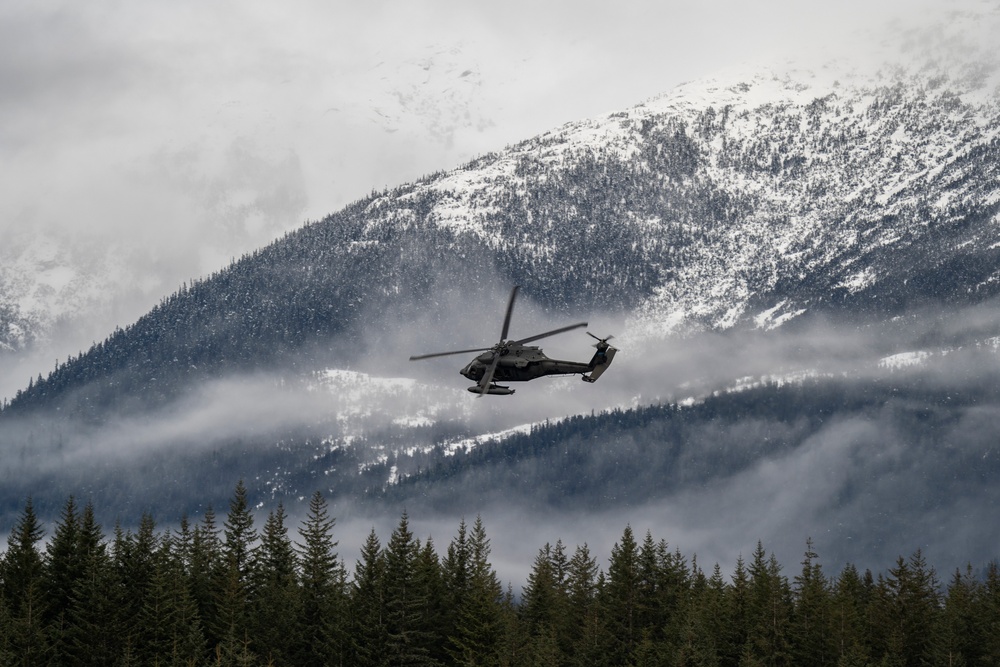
430,581
620,599
455,568
234,580
738,613
168,627
404,600
276,600
204,566
583,610
963,617
848,627
323,598
479,629
539,608
769,611
369,635
22,574
62,567
811,632
991,613
94,615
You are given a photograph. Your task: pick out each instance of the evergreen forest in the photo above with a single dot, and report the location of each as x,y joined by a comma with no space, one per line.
233,594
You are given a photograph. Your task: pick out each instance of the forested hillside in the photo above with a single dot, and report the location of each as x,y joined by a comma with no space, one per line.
280,595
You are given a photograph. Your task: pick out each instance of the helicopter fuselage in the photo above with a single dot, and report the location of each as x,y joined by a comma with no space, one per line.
520,363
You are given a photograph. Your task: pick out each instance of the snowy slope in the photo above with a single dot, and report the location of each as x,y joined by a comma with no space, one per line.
822,171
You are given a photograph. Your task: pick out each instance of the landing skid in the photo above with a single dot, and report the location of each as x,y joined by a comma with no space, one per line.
494,389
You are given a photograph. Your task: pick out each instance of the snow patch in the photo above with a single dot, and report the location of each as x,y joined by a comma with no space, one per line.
904,360
466,444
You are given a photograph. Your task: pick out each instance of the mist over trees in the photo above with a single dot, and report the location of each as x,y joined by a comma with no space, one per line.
876,464
236,594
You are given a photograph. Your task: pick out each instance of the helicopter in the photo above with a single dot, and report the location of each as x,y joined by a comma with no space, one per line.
514,361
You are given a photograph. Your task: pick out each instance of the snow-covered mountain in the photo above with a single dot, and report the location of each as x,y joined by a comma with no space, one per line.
755,196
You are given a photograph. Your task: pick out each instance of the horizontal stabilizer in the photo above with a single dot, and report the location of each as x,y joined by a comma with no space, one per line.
603,359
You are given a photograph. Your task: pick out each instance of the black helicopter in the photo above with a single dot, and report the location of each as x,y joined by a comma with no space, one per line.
513,361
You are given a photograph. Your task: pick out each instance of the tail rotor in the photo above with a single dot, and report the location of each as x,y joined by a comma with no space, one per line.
602,343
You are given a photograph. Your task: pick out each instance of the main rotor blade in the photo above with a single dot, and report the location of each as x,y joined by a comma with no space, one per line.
445,354
578,325
484,386
510,309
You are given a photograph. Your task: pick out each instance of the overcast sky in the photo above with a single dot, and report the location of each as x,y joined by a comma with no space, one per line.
130,114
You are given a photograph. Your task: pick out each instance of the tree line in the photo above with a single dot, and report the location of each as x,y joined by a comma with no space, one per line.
206,594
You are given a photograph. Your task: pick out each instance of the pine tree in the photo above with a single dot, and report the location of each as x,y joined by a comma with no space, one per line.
479,628
430,581
94,615
404,601
964,635
21,572
367,621
133,558
276,600
182,544
583,613
512,649
650,612
673,582
21,567
925,603
204,569
323,600
168,628
233,580
62,570
991,614
908,609
240,536
769,610
704,621
455,578
810,628
848,616
620,599
885,639
737,607
539,605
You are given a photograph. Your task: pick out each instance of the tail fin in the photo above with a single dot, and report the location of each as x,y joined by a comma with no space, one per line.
602,359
